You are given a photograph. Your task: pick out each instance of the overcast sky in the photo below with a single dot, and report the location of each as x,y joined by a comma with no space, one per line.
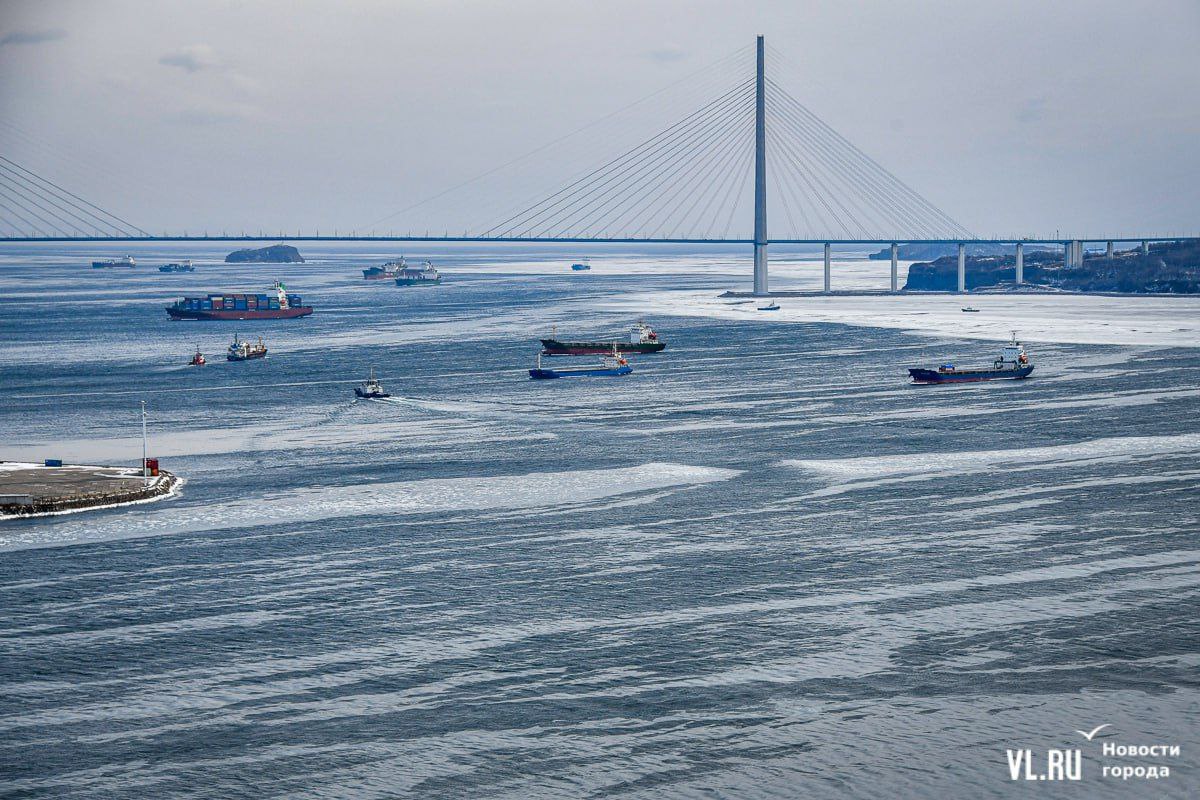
1014,117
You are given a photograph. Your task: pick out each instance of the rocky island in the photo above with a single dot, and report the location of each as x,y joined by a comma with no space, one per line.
275,254
1168,268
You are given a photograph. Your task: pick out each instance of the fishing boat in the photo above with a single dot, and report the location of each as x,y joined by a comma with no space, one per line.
242,350
1012,364
769,307
198,359
642,339
581,267
372,389
970,310
610,366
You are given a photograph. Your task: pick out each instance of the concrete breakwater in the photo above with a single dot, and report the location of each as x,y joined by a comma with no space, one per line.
32,489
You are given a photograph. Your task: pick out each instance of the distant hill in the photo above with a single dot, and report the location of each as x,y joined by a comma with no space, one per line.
930,252
275,254
1170,268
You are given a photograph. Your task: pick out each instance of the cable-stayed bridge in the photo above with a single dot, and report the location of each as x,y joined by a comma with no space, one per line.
706,178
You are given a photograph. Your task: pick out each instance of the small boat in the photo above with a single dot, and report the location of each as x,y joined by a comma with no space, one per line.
970,310
1012,364
198,359
609,367
581,267
244,351
372,389
770,307
185,266
642,339
123,261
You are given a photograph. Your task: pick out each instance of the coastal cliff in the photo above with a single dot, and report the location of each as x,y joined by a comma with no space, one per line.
1169,268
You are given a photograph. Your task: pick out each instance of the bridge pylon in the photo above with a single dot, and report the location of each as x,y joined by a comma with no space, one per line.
760,176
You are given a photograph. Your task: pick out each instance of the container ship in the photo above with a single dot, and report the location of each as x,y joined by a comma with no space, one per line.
1012,364
389,271
425,276
276,305
642,339
123,261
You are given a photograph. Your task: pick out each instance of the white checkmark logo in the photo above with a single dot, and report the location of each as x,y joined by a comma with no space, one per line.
1093,732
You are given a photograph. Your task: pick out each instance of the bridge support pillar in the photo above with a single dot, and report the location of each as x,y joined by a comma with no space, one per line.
1077,248
1145,248
827,267
1020,262
760,269
962,267
1108,252
895,273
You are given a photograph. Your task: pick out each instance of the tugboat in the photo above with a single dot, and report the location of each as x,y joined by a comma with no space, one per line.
186,266
1012,364
425,276
198,359
642,339
372,389
769,307
609,367
244,351
389,271
123,261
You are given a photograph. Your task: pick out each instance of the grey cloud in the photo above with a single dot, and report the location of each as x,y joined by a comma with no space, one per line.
32,37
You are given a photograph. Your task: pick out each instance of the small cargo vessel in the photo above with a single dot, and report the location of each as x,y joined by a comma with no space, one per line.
242,350
389,270
197,359
610,366
277,305
769,307
425,276
1012,364
642,339
123,261
183,266
581,267
372,389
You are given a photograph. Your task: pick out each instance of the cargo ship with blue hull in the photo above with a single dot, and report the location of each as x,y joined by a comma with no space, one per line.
1013,364
278,304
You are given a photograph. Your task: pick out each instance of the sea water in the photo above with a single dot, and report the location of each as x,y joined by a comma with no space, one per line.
762,565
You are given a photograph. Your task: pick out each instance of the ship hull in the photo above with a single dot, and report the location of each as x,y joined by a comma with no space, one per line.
370,395
598,372
378,276
968,376
227,314
417,282
553,347
249,357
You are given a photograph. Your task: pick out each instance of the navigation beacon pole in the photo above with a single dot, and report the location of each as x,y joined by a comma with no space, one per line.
145,471
760,177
